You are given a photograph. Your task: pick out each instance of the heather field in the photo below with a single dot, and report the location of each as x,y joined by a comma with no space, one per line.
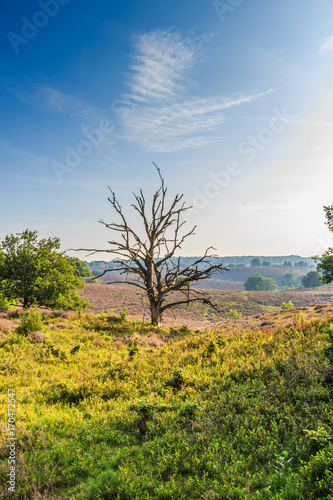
115,409
116,298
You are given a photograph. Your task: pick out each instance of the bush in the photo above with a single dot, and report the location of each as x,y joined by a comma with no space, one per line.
5,304
287,305
31,322
233,313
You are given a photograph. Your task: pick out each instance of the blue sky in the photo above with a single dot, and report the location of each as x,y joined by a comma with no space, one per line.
232,99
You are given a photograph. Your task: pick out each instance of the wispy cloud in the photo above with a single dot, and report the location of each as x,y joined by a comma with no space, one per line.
163,58
159,113
327,45
48,99
179,125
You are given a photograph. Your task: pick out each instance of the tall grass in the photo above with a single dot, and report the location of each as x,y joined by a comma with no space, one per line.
102,414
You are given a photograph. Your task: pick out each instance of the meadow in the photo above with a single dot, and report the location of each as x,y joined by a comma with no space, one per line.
112,408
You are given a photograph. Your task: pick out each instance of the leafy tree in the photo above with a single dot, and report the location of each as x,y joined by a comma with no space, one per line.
266,263
299,281
255,262
325,262
35,272
147,257
80,267
303,264
312,280
287,263
258,282
288,280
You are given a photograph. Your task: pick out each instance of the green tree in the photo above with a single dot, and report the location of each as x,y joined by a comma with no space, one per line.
80,267
288,280
255,262
258,282
266,263
312,280
35,272
325,262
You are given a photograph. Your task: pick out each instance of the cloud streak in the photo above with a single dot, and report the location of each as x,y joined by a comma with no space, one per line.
159,113
327,45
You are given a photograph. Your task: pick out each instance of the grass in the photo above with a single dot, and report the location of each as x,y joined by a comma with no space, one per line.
109,408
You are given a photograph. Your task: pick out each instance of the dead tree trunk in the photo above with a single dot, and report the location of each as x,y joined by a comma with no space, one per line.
147,259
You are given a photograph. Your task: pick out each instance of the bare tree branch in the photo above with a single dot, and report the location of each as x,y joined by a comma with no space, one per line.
151,257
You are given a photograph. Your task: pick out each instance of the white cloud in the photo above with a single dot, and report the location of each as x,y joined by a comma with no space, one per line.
180,124
327,45
162,61
158,114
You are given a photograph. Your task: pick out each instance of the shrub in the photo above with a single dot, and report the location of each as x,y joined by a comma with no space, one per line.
233,313
328,351
37,337
6,304
31,322
287,305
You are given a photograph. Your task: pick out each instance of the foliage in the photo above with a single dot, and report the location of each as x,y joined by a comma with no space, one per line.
255,262
288,280
233,313
287,305
312,280
213,415
258,282
325,262
328,351
80,267
35,272
266,263
31,322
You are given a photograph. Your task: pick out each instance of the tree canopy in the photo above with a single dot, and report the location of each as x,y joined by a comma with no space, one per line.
312,280
260,283
80,267
36,273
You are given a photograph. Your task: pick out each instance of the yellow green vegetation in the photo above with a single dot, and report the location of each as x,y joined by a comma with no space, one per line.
108,408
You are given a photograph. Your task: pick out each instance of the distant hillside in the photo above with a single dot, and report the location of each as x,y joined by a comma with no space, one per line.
116,298
241,274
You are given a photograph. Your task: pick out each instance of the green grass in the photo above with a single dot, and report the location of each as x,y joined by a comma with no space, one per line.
207,415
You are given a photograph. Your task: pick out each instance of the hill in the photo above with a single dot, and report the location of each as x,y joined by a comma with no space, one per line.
108,408
116,298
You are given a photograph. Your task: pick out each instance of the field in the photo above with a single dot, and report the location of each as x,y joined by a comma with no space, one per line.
116,298
111,408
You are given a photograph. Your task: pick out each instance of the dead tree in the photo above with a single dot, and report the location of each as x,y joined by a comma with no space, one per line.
148,262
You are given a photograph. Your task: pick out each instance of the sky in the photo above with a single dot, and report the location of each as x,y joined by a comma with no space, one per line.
233,100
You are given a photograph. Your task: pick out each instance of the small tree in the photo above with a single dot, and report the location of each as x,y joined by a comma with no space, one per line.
288,280
37,274
260,283
148,260
256,262
325,263
312,280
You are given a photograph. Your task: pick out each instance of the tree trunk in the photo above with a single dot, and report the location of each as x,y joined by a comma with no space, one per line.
156,316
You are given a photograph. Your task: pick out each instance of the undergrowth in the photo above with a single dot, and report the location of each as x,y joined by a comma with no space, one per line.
101,414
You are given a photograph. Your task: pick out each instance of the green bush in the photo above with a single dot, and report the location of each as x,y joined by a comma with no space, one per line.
287,305
233,313
6,304
31,322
